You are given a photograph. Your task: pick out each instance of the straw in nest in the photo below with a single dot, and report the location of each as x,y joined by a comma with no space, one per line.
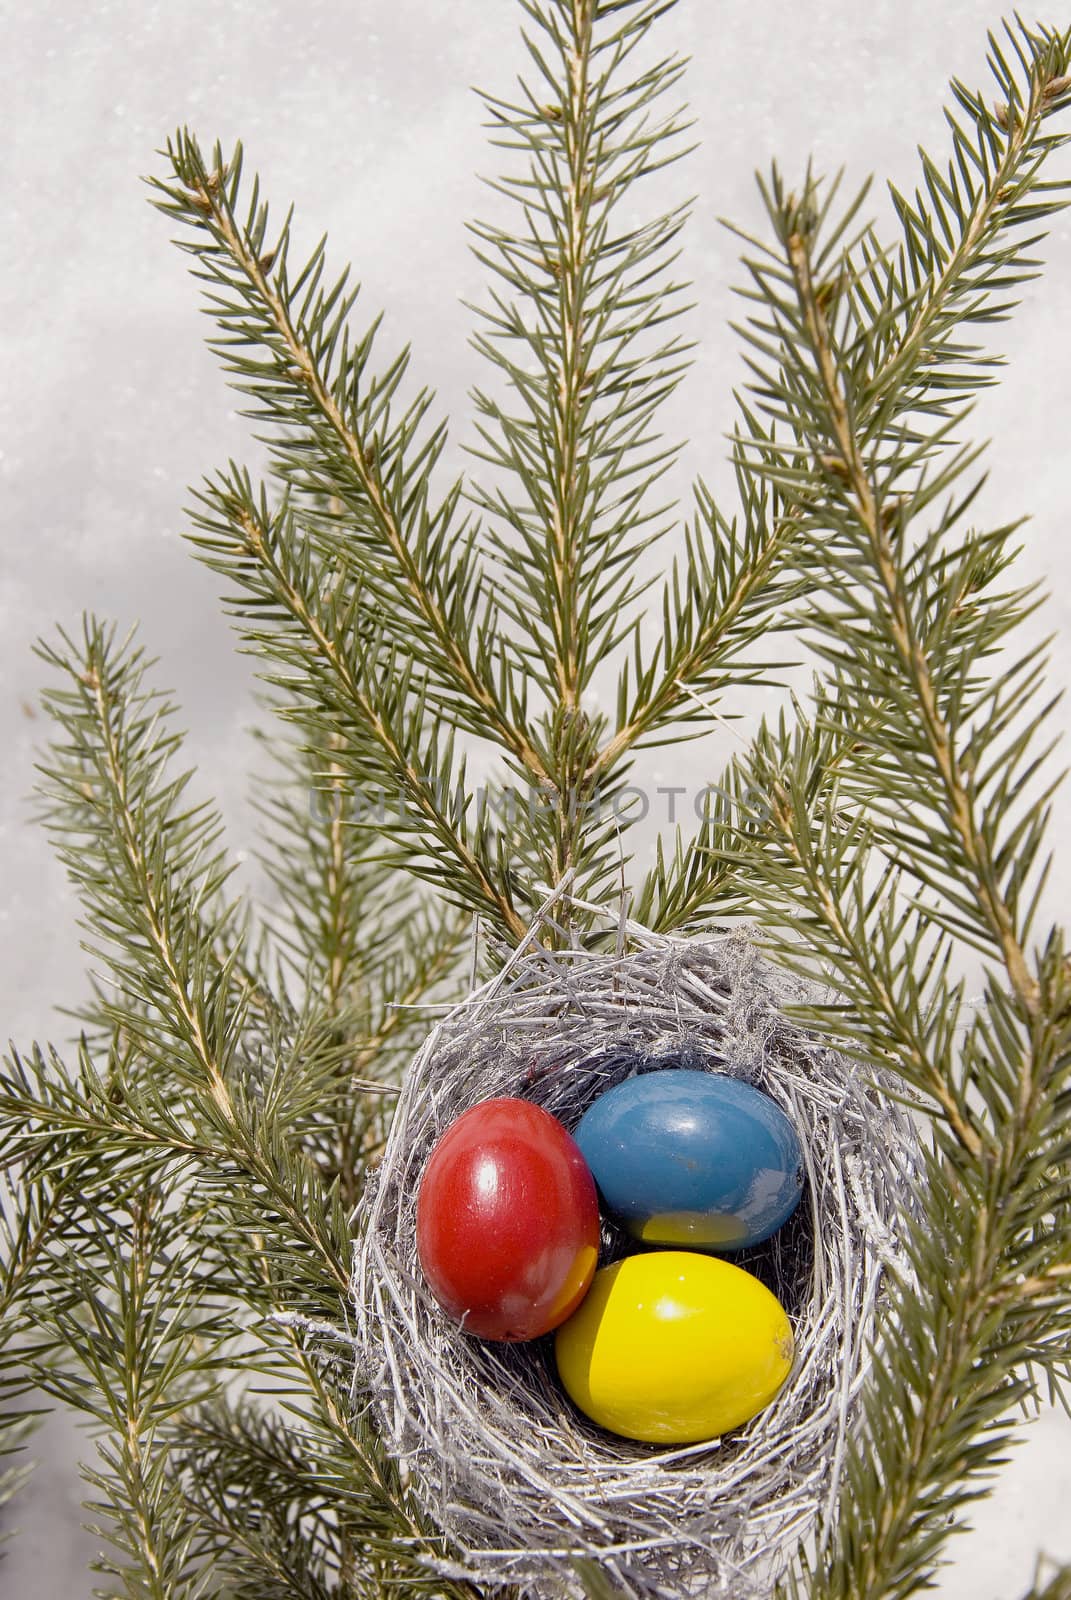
521,1483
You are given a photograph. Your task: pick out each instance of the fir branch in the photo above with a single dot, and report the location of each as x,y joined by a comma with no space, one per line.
279,1518
141,1342
347,914
897,351
997,1178
255,1256
258,1506
360,941
149,884
706,877
25,1217
97,1129
574,329
113,1323
1056,1587
346,682
383,1030
569,331
960,1341
734,586
16,1427
341,906
892,318
897,311
105,1137
209,1108
956,251
125,837
870,497
334,440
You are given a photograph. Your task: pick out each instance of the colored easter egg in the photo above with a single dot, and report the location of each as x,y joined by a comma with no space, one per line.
671,1347
695,1159
507,1221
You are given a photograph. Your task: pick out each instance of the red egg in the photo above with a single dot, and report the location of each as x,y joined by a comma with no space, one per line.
507,1221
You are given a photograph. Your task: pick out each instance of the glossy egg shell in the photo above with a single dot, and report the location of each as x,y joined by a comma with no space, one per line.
671,1347
507,1221
695,1159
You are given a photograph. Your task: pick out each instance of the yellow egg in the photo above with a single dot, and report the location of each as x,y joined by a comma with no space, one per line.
674,1347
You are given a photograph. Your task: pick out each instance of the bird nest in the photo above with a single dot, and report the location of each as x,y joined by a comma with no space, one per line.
524,1487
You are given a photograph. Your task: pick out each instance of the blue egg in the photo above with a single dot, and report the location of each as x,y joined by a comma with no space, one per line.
696,1159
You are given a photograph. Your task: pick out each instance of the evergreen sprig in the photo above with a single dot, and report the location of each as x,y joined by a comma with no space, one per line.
855,362
357,690
182,1184
580,294
202,1109
357,469
1056,1587
24,1223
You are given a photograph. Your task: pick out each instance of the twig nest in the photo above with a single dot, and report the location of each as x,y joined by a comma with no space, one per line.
522,1485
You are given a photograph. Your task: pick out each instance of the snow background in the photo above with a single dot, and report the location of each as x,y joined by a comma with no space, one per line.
361,111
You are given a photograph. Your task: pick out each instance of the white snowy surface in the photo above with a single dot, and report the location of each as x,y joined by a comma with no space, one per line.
361,111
